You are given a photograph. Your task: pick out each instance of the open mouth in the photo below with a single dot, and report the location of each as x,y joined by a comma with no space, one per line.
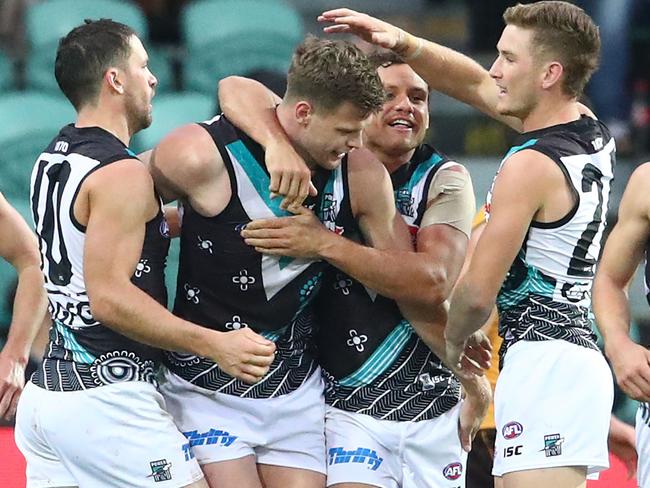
401,124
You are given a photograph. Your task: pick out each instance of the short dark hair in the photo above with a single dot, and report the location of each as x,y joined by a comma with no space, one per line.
383,58
564,31
84,55
329,73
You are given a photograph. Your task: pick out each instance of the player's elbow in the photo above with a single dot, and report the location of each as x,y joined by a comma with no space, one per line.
104,301
437,288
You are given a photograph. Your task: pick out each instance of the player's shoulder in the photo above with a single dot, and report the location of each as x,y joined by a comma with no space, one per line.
363,161
188,149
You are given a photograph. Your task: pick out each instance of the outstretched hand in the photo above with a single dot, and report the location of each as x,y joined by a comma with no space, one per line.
364,26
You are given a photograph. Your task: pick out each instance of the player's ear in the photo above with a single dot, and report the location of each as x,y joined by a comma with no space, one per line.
303,111
113,79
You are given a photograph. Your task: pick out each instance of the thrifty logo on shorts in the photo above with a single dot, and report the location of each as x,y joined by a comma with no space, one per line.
338,455
160,470
553,445
213,436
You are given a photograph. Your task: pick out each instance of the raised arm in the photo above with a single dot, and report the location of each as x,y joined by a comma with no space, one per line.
251,107
120,203
19,247
622,254
444,69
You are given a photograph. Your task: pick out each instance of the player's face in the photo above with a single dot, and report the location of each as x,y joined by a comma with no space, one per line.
330,135
403,122
515,73
140,87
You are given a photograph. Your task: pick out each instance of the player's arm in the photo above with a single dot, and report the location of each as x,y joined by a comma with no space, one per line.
444,69
19,247
518,193
387,264
251,107
120,201
622,254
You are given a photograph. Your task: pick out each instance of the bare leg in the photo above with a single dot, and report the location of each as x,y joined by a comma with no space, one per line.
236,473
563,477
283,477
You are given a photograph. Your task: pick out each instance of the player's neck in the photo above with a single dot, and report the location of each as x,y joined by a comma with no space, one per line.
391,160
550,113
98,116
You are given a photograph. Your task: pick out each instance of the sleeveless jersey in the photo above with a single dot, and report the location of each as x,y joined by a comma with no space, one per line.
82,353
547,291
224,284
373,361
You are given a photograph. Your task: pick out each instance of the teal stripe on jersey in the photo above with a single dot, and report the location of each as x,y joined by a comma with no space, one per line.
273,335
383,357
79,354
514,149
533,283
422,169
257,176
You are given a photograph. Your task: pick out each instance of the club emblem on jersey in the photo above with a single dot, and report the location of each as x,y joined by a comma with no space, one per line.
404,202
453,471
357,341
191,293
142,268
243,280
512,430
121,366
553,445
160,470
236,323
205,245
342,283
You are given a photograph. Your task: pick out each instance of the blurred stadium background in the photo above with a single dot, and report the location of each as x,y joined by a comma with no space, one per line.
192,44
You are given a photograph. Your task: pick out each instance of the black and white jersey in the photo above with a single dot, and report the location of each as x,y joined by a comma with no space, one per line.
82,353
547,291
373,361
224,284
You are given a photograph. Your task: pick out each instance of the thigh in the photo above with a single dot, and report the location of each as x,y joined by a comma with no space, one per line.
552,408
432,454
562,477
236,473
282,477
121,436
294,432
44,467
361,451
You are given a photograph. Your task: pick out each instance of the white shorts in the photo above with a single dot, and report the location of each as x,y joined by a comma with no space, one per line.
284,431
643,445
111,436
390,454
552,402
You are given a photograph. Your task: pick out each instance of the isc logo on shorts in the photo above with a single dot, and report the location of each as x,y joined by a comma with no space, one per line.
512,430
453,471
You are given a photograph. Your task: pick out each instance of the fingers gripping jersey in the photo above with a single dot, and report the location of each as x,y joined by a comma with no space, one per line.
374,362
547,291
83,353
224,284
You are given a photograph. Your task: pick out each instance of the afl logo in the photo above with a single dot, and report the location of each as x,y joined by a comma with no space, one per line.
512,430
453,471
